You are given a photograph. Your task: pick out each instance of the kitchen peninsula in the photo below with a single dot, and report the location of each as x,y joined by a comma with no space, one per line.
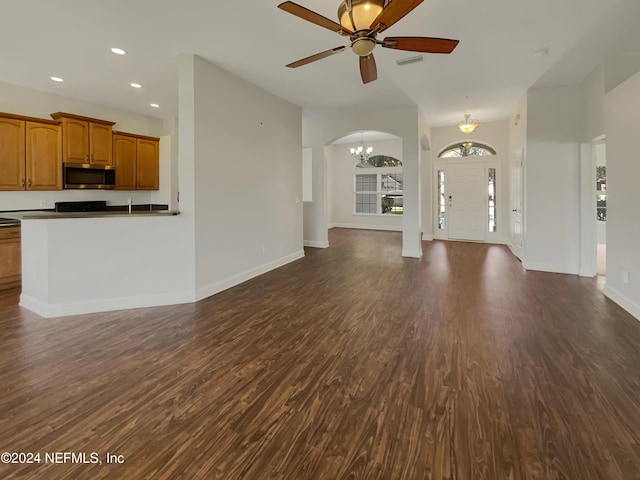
85,262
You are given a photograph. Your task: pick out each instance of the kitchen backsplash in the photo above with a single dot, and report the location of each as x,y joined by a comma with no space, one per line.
31,200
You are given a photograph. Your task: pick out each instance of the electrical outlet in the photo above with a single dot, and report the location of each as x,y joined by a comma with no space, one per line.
626,276
43,203
264,249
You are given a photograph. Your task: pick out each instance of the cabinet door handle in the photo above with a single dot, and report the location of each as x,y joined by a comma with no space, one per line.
23,184
92,157
87,157
29,183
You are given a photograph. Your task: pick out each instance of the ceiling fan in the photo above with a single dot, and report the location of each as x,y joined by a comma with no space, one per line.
362,21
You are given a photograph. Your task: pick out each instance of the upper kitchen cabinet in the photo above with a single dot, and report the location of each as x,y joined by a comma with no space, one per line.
148,164
43,156
85,140
136,160
30,153
12,166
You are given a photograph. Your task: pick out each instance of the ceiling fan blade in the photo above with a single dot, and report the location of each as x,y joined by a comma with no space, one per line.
421,44
393,12
368,70
313,17
317,56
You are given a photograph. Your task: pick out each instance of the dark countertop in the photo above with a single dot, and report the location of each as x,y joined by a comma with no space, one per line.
13,218
9,222
49,215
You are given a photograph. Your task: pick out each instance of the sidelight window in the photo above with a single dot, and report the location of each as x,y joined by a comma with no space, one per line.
441,201
493,227
601,193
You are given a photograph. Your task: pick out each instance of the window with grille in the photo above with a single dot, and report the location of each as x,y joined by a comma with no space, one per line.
379,191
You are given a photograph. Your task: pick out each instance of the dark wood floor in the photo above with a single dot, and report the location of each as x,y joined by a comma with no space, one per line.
352,363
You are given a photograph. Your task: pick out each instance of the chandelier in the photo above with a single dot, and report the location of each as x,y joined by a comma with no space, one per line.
468,126
362,153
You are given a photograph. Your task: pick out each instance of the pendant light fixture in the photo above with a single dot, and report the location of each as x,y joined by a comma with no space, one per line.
468,125
362,153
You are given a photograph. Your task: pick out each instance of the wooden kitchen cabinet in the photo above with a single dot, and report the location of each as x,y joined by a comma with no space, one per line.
85,140
136,161
12,160
125,161
43,156
10,257
30,153
148,164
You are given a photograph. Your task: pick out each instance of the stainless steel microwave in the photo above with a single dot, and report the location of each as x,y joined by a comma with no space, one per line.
81,175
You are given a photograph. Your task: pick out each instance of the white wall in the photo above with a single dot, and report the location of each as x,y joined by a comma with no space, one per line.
517,150
426,178
319,130
246,191
496,135
623,194
34,103
593,90
75,266
554,130
340,171
307,175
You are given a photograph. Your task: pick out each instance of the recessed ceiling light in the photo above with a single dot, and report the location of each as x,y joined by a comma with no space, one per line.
57,79
118,51
154,105
135,85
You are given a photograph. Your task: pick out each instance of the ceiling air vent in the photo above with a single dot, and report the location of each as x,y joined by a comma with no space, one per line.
407,61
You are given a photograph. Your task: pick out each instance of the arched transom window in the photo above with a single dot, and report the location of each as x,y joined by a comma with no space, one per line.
380,161
467,149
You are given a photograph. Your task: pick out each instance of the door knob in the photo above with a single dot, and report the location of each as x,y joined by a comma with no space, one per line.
514,210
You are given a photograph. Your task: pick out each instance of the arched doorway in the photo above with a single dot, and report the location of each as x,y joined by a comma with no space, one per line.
365,194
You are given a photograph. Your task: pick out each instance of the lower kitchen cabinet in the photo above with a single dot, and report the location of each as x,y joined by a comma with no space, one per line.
136,161
10,257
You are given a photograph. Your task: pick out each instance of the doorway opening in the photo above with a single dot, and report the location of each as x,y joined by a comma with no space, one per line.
467,193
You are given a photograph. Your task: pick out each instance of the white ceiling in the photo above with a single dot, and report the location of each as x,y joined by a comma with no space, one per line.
366,136
494,63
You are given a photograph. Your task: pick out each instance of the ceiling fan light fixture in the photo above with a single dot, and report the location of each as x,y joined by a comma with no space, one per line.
361,15
363,46
468,126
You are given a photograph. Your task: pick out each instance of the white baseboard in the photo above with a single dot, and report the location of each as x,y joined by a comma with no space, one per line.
411,253
587,273
625,302
219,286
155,300
367,227
549,267
427,238
315,244
514,252
102,305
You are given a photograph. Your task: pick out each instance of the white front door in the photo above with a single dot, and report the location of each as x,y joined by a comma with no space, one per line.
466,191
516,204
